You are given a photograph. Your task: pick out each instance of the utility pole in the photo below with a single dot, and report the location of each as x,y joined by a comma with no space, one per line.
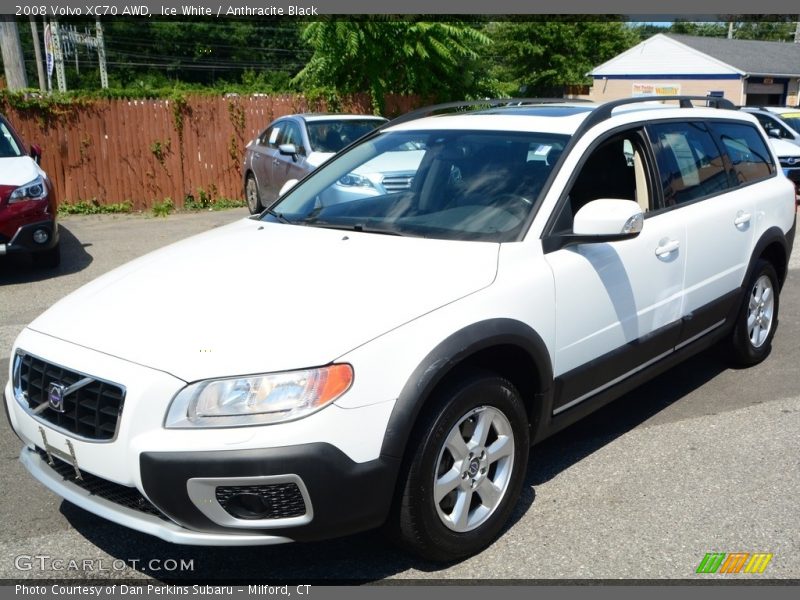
58,56
37,51
730,30
101,54
12,54
797,32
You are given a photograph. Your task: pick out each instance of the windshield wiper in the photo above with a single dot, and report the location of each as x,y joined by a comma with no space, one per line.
360,227
279,216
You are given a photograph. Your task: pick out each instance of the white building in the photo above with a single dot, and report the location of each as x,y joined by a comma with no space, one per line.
743,71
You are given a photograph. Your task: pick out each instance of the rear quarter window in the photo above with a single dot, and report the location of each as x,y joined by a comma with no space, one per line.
750,158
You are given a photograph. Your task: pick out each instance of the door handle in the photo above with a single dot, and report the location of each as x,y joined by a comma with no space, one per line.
742,218
667,248
276,162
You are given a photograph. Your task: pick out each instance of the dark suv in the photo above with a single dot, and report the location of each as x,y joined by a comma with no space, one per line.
27,201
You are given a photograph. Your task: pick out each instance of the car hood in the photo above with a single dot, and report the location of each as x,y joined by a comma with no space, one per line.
392,162
255,297
315,159
784,148
18,170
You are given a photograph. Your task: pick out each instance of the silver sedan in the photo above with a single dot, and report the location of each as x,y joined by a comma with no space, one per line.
293,146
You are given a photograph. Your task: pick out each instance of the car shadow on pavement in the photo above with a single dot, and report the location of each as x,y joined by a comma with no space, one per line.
368,557
19,268
594,431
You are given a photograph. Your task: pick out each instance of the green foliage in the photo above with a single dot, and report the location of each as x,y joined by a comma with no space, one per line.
93,207
540,57
163,208
180,108
647,30
208,200
147,55
777,31
438,60
775,28
47,109
706,29
160,149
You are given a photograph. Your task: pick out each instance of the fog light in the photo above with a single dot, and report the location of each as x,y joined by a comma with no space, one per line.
40,236
274,501
248,506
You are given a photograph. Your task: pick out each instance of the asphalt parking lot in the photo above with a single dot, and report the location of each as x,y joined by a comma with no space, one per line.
702,459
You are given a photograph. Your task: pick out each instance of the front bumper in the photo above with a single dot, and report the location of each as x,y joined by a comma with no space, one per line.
342,497
128,517
332,457
23,240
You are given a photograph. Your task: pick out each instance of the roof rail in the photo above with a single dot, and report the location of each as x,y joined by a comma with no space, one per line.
427,111
603,112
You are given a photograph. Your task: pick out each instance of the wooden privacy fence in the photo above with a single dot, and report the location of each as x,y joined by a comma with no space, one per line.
144,151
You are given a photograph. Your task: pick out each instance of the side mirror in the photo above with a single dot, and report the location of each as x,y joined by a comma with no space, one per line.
36,153
288,150
599,221
609,220
287,186
774,133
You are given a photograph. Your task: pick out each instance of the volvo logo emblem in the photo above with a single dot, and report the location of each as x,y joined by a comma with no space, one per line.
55,397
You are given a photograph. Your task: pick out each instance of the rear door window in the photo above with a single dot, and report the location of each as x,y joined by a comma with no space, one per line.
750,158
689,162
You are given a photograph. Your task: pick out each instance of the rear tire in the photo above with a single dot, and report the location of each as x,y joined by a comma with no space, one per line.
252,195
48,259
755,327
467,463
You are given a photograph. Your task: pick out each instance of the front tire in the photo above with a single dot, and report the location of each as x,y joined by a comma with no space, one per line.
252,195
464,477
758,318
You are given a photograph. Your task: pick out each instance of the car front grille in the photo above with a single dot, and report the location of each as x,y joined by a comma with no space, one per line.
91,410
397,183
124,496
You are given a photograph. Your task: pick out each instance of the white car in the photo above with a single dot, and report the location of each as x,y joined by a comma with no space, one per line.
411,346
789,158
780,122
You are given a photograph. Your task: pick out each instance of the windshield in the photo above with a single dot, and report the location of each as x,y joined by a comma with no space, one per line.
333,135
8,145
462,185
792,119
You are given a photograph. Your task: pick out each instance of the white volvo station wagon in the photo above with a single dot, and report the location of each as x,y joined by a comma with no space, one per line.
396,353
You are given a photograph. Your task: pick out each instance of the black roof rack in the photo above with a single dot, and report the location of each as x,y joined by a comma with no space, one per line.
427,111
603,112
599,114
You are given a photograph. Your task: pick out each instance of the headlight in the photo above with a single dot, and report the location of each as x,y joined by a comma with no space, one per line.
35,190
353,180
258,399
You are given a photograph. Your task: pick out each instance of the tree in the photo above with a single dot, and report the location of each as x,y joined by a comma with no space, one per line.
435,60
540,57
744,27
705,29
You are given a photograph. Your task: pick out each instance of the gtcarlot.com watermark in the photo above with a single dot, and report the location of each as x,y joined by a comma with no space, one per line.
44,562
